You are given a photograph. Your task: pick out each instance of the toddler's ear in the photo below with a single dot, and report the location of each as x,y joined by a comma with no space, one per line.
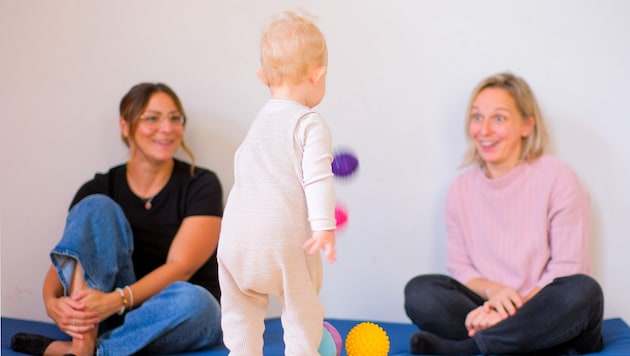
262,77
318,73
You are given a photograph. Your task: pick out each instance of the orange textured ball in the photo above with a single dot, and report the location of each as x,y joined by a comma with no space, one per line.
367,339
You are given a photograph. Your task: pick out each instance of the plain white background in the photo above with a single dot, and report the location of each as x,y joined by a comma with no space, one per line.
399,78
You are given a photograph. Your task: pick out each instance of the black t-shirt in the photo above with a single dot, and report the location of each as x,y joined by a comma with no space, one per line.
154,229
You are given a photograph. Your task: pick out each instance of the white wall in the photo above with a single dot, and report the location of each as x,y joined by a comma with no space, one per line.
399,79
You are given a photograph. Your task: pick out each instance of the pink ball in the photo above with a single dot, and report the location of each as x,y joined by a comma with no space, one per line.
341,215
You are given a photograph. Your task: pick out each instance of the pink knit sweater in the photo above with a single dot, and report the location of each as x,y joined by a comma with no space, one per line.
522,229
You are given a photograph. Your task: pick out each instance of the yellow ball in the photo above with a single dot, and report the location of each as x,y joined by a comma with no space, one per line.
367,339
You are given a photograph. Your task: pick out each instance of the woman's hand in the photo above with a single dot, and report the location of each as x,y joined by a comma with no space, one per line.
71,316
481,318
103,304
504,300
324,240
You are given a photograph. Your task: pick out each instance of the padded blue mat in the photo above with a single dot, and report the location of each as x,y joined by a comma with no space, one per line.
616,336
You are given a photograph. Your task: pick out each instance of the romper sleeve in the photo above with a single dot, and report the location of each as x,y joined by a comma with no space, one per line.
316,141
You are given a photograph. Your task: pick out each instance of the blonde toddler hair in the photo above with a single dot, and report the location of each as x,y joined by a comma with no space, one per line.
290,47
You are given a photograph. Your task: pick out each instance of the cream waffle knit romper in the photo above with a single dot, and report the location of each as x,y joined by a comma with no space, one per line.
283,190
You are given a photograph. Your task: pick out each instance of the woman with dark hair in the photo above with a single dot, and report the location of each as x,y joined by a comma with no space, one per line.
136,269
517,225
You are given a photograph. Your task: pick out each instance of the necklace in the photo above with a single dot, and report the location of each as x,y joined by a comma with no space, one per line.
147,202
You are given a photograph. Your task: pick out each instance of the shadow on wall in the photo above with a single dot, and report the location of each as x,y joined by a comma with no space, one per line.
214,140
602,180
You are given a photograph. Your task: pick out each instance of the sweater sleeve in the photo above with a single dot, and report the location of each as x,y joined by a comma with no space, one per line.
319,189
458,260
568,215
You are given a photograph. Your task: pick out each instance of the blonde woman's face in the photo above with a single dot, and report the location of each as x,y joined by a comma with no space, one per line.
497,128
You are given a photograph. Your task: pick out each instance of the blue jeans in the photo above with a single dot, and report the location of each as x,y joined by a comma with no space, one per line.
182,317
564,318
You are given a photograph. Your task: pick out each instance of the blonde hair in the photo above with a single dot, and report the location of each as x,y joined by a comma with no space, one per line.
290,47
535,144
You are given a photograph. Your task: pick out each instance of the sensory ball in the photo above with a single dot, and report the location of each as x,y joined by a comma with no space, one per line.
367,339
344,164
341,215
335,335
327,346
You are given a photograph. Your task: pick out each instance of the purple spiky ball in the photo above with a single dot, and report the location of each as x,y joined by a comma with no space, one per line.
344,164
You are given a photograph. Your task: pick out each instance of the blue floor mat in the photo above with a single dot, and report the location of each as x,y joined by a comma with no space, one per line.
616,336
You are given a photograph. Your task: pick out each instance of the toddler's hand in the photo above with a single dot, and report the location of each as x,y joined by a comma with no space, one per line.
322,240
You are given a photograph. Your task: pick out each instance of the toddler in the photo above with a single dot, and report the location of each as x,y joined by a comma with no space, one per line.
280,211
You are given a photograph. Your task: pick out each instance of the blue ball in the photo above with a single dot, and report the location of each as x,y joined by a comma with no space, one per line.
344,164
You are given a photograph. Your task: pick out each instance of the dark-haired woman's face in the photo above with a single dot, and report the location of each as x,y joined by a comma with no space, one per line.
159,130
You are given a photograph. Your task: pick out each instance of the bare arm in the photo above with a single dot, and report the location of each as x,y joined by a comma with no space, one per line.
52,285
194,244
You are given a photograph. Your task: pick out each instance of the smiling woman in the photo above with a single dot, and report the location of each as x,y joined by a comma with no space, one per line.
504,125
154,224
497,129
517,240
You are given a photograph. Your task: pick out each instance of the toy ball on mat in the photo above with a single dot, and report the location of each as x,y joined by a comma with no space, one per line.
335,336
344,164
341,215
331,341
367,339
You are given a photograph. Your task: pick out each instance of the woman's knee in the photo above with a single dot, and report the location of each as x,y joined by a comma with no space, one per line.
421,286
95,201
423,292
592,290
100,204
581,291
584,285
97,209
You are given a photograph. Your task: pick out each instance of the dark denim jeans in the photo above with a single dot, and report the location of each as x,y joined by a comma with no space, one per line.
182,317
564,318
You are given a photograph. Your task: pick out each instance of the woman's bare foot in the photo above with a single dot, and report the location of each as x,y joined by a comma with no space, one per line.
57,348
76,347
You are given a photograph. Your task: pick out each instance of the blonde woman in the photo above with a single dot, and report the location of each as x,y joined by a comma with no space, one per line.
517,225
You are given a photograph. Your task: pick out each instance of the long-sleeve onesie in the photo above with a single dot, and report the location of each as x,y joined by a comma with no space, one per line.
283,191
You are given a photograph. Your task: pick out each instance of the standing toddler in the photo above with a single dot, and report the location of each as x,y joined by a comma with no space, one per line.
280,211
